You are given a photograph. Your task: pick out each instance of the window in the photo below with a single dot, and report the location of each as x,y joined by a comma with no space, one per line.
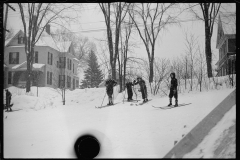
231,45
77,83
36,57
73,83
9,77
62,61
50,58
14,58
70,65
20,40
57,64
68,82
61,81
49,78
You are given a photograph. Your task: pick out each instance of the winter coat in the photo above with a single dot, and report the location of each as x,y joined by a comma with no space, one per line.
141,83
174,83
110,83
129,85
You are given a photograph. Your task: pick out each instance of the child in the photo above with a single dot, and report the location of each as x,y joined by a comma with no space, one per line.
110,83
143,88
8,99
129,90
173,90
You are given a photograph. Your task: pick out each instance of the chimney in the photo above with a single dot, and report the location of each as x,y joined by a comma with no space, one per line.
48,28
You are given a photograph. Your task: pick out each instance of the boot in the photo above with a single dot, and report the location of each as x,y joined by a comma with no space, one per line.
170,102
176,103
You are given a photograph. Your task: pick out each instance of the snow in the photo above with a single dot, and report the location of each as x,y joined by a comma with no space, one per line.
42,127
213,141
22,66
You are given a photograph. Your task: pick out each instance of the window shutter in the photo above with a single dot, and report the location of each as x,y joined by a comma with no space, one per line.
47,77
17,58
64,62
51,58
59,80
36,57
51,78
67,63
9,77
48,57
70,64
10,58
18,40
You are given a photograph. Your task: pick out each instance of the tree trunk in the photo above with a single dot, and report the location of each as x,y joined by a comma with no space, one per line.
29,74
208,51
151,71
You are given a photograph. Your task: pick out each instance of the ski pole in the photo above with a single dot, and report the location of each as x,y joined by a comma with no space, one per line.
103,98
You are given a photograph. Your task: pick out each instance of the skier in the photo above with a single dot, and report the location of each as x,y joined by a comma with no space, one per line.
129,90
110,83
8,99
143,88
173,90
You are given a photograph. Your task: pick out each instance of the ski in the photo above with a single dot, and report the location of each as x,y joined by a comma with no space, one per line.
144,102
105,106
172,106
131,100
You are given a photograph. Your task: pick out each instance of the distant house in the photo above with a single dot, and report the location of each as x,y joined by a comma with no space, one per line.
226,43
54,64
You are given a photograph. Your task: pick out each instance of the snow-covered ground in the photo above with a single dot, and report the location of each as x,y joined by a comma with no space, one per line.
41,127
220,141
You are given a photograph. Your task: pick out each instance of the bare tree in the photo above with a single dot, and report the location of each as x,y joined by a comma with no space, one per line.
209,12
200,67
35,17
191,50
161,72
114,14
154,17
177,67
123,57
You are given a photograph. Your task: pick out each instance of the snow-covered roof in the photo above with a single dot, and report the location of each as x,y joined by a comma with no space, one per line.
63,46
15,35
23,66
228,23
75,59
46,40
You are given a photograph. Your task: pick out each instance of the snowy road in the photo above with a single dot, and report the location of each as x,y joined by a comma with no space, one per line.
124,131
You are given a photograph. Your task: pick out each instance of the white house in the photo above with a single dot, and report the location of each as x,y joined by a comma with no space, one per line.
54,62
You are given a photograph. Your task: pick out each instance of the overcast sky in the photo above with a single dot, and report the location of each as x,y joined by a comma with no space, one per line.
170,42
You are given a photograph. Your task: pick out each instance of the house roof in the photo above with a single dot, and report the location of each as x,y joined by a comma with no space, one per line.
46,40
228,23
63,46
10,39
